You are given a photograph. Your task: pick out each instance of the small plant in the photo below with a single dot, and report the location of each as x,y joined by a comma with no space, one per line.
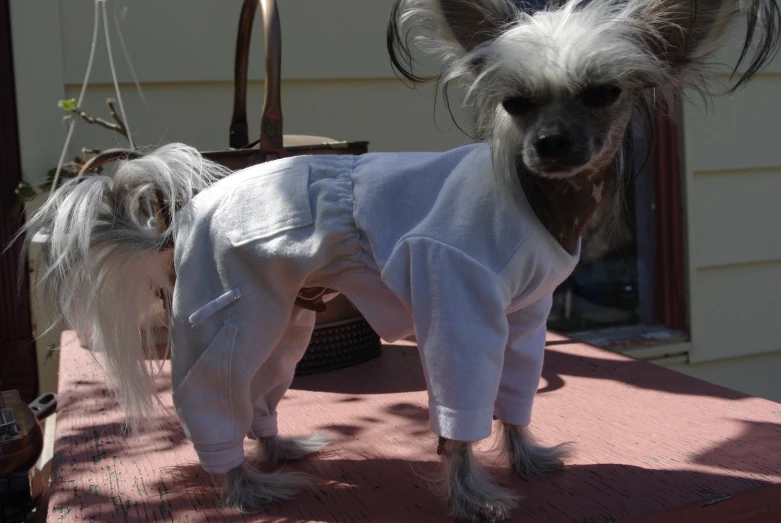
25,192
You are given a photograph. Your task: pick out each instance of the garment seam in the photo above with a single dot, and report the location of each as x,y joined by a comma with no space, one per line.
362,251
512,255
406,239
352,213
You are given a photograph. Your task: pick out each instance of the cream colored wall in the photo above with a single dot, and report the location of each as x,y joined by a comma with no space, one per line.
380,110
754,375
338,82
732,179
337,77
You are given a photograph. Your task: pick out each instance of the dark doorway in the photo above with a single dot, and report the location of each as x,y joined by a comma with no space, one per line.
18,367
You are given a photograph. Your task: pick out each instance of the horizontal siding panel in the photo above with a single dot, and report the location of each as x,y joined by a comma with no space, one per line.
738,311
384,112
194,40
736,217
739,132
754,375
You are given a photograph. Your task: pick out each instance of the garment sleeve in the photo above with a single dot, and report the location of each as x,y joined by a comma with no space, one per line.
458,307
523,362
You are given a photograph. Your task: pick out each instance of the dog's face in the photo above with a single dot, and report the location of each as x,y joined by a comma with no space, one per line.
560,86
556,80
564,134
554,87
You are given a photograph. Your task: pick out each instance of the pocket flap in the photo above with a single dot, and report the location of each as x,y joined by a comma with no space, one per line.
266,203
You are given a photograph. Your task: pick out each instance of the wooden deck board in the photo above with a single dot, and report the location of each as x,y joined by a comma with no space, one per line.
651,445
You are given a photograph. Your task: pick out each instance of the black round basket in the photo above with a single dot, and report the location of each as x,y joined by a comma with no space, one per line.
339,344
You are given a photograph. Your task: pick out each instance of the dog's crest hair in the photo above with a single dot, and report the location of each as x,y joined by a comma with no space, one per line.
684,32
496,47
100,260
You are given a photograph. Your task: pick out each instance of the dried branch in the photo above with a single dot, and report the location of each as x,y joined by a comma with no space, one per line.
117,118
103,123
87,151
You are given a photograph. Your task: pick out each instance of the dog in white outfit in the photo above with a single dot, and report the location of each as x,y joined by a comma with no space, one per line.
462,248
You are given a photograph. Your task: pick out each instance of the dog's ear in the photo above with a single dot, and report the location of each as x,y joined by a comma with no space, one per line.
450,28
686,28
686,33
474,22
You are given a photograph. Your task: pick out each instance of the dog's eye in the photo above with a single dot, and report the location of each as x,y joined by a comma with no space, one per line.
600,95
517,105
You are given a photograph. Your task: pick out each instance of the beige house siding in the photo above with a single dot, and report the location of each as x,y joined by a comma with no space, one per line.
732,157
756,375
337,82
380,110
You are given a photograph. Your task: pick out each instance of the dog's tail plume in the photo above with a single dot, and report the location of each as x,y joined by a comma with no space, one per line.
104,260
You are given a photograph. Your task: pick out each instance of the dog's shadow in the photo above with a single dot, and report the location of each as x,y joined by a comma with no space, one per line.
398,370
392,490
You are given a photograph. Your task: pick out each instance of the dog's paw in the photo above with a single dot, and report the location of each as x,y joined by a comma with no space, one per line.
247,489
539,460
527,458
278,450
469,490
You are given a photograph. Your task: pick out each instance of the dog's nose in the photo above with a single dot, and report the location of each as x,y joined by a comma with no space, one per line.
553,146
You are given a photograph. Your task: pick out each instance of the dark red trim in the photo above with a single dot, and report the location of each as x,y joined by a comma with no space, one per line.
670,266
18,366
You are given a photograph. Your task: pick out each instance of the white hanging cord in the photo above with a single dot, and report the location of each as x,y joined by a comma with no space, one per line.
130,66
114,75
72,121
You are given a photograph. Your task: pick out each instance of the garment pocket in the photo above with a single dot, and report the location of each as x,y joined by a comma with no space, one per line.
203,399
266,204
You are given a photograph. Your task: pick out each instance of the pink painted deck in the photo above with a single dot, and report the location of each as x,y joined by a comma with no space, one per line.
652,445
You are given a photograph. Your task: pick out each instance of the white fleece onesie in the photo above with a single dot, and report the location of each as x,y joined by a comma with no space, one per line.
423,243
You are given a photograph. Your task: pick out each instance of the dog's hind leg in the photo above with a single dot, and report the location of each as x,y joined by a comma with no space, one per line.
527,458
272,448
276,450
470,491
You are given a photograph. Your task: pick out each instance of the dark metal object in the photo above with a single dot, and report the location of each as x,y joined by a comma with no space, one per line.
272,143
21,443
108,156
44,405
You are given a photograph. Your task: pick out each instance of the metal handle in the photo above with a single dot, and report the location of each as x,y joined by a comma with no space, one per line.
271,120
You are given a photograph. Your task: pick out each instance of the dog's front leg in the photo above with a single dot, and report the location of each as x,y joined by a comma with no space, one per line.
469,490
276,450
528,458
